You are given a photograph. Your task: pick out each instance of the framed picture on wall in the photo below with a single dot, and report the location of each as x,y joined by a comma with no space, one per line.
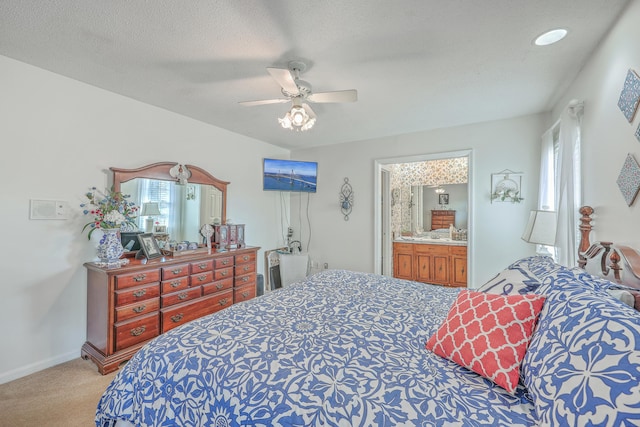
443,199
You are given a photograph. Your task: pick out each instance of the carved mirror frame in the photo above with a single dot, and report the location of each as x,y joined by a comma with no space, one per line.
162,170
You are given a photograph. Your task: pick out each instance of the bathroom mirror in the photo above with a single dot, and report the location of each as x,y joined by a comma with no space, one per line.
178,206
419,200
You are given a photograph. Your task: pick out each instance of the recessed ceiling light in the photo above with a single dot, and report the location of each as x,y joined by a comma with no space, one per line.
551,37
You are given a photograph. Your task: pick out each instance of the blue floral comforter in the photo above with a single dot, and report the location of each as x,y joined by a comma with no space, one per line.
339,349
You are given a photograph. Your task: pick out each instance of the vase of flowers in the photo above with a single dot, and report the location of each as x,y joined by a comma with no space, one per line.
110,211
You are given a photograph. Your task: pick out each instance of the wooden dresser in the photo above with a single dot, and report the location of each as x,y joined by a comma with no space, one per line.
442,219
128,306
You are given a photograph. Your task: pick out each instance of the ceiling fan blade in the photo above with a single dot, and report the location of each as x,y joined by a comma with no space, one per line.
264,102
284,79
309,111
350,95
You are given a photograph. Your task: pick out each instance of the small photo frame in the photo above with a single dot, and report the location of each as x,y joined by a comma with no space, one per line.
161,229
149,246
443,199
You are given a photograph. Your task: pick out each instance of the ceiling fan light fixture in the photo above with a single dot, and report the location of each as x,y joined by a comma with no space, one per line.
297,119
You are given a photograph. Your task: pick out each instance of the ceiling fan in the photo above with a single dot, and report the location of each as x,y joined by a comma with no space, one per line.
300,117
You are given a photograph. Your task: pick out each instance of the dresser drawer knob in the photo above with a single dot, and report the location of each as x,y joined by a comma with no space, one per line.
178,317
245,294
224,301
245,258
219,285
176,271
139,293
247,268
225,262
224,273
138,331
202,277
139,309
140,277
245,279
175,284
202,266
183,295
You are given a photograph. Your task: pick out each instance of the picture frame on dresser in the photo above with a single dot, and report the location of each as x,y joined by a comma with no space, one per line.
149,246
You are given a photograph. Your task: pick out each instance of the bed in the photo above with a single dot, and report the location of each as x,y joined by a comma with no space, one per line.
343,348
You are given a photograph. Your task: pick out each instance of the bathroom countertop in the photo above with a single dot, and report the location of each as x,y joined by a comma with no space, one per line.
431,241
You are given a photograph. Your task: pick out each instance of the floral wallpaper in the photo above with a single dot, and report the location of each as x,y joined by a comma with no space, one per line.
432,172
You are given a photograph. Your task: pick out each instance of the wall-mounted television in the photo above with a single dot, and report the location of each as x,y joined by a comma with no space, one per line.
290,175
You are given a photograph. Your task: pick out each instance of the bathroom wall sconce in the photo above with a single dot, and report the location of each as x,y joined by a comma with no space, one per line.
180,173
346,199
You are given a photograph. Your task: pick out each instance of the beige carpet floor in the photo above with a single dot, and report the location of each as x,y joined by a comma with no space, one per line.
65,395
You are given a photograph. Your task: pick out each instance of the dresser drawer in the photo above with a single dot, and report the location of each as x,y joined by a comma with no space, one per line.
183,313
174,271
181,296
241,259
202,278
245,279
135,279
201,266
126,312
137,294
174,285
223,262
218,286
431,249
244,293
403,247
246,268
459,250
136,331
222,273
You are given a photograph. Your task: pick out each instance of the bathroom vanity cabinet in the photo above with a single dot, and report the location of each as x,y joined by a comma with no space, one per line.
439,264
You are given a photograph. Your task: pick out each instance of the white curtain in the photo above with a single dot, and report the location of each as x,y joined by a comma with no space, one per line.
560,181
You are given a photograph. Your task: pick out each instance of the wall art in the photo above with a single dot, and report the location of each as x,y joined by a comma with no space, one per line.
629,179
630,95
506,186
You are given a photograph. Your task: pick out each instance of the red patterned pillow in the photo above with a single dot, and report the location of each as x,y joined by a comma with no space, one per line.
488,334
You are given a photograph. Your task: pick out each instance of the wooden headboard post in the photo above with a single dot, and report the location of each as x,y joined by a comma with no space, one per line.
585,229
623,261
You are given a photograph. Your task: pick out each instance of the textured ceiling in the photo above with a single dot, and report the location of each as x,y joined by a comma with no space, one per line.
417,64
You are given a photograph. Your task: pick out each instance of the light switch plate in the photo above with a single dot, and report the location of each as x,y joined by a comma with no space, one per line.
48,209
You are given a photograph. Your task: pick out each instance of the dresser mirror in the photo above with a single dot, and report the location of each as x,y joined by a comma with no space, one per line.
175,200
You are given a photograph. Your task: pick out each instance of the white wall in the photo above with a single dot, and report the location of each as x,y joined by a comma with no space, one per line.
495,229
607,136
59,137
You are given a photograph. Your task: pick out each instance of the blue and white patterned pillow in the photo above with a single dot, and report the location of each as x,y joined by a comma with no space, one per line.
539,266
511,281
582,367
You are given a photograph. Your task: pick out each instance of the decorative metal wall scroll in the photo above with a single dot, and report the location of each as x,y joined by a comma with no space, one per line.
346,199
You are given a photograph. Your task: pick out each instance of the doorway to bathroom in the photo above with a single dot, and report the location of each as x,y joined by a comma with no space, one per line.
414,193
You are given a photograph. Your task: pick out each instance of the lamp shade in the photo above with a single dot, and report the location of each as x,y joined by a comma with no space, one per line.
541,228
150,208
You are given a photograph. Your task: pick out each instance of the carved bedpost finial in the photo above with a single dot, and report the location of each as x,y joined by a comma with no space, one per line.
615,265
585,229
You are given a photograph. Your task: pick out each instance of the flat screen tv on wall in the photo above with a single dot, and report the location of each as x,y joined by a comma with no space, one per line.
290,175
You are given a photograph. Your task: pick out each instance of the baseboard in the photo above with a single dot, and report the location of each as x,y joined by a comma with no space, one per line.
23,371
